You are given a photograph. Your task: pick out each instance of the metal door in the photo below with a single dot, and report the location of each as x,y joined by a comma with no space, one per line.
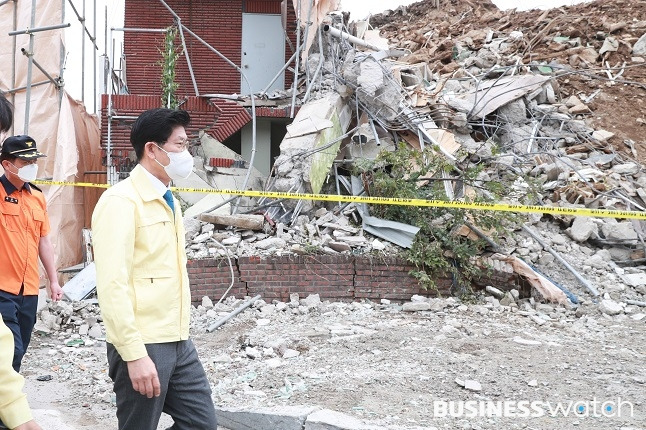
263,52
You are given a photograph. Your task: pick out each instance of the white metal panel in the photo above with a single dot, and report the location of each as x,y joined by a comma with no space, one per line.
263,51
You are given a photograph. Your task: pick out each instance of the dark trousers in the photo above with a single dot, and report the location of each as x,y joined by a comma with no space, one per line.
185,390
19,314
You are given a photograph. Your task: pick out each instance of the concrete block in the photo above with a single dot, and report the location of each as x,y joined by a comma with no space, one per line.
326,419
279,417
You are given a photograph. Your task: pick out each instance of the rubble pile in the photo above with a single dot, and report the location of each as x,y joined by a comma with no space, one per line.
325,233
547,103
594,51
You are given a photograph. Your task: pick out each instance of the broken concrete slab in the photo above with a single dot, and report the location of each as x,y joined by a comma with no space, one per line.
639,48
582,229
82,285
493,94
308,125
279,417
310,156
612,229
206,205
635,279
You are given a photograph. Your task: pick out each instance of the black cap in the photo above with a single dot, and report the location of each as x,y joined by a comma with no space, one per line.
21,146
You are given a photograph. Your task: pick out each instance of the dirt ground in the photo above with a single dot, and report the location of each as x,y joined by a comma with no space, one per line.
386,366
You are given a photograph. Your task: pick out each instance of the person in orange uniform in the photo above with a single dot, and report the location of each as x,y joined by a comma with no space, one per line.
24,229
14,409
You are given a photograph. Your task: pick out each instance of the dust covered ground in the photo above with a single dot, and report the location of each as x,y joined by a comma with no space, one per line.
389,367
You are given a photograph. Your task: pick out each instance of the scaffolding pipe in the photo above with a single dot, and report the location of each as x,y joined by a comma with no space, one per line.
298,57
83,31
61,60
39,29
140,30
108,151
47,75
30,64
13,59
15,90
106,63
350,38
188,58
82,20
232,314
318,68
252,97
279,73
565,264
306,35
94,58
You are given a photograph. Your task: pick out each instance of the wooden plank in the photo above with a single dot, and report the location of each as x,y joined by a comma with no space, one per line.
245,221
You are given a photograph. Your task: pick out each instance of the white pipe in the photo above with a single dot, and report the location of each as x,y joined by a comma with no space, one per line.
350,38
232,314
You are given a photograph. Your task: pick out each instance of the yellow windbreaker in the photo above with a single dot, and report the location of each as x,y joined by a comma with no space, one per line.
14,409
142,281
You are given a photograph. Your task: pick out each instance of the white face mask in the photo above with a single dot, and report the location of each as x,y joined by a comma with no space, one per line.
27,173
180,165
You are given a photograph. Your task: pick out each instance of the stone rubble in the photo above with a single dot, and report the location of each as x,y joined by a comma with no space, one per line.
544,139
300,352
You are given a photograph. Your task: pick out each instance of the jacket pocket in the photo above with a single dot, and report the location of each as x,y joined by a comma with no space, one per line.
151,296
39,219
156,234
10,217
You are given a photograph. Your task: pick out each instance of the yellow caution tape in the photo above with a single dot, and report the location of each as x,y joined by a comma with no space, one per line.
502,207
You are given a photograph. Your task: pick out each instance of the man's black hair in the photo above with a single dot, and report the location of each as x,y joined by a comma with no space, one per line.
5,156
6,113
156,125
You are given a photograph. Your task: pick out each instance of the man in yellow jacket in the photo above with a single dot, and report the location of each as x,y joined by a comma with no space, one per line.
143,286
14,409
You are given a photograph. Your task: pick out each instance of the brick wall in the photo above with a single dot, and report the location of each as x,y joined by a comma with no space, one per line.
204,115
333,277
217,22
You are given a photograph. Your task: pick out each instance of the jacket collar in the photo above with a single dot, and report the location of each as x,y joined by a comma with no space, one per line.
143,185
9,187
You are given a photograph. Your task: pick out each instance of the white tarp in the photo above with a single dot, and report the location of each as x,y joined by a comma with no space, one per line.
60,125
317,12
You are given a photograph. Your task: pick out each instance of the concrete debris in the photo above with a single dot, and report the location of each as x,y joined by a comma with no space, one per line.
327,231
305,349
610,307
475,93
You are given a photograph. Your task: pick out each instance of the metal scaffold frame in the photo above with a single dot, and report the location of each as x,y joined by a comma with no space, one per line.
58,82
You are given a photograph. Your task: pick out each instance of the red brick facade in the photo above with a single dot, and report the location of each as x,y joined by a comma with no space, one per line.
333,277
217,22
